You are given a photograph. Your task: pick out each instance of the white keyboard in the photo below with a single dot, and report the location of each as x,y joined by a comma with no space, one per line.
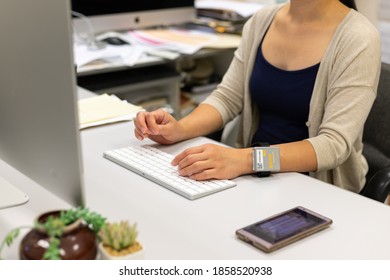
155,165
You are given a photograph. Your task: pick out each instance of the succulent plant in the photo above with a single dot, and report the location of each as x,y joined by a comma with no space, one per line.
54,226
118,236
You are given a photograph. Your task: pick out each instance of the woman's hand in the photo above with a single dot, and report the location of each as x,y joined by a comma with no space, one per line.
158,126
212,161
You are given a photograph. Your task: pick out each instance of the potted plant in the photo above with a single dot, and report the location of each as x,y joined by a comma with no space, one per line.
118,240
70,234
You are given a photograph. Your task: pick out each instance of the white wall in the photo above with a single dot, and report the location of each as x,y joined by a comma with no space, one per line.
384,28
369,8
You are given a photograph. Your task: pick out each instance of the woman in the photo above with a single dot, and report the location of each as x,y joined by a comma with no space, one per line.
304,79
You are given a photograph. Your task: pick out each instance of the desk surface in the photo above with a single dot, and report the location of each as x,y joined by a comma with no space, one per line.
172,227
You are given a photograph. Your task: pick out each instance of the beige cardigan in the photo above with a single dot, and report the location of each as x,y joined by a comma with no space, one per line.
344,91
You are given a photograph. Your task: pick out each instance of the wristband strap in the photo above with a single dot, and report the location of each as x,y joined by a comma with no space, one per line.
265,159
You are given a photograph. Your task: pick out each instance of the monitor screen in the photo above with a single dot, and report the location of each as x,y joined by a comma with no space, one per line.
38,113
116,15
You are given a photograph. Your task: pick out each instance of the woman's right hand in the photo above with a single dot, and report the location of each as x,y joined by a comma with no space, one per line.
158,126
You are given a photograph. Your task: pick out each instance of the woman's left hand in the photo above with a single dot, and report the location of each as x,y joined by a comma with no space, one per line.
212,161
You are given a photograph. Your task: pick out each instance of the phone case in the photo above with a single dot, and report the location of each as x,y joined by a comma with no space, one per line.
322,222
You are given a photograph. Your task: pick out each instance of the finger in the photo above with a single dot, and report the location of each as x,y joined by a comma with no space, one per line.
191,160
151,122
140,122
186,153
207,174
194,168
139,135
162,117
137,132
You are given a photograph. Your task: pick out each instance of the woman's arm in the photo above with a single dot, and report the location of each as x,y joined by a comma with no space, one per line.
163,128
204,120
298,157
217,162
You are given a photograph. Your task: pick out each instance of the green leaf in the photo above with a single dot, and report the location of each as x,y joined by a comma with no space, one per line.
53,251
9,239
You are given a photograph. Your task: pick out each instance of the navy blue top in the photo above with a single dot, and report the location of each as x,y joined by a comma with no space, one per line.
283,98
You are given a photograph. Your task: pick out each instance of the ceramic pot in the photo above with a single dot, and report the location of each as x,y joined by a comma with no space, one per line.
105,255
78,242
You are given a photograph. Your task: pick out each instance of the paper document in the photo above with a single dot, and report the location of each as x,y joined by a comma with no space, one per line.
244,9
124,54
225,41
177,40
103,109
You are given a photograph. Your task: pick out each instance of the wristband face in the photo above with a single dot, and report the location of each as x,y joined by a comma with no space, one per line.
266,159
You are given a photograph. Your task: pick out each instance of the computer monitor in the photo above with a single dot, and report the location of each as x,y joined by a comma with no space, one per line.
38,115
117,15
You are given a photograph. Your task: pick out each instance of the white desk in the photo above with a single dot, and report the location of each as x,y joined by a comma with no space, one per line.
172,227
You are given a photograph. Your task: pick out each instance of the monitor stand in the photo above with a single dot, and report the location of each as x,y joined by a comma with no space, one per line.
11,196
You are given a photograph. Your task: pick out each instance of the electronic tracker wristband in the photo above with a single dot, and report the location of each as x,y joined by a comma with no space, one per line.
265,159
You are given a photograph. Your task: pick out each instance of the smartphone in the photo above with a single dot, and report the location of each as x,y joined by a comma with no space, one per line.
284,228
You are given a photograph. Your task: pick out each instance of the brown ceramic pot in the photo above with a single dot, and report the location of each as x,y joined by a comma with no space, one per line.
78,242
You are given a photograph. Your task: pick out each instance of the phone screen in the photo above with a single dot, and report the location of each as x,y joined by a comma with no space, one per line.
284,226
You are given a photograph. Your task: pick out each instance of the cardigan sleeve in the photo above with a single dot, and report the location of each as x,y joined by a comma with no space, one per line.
351,90
227,97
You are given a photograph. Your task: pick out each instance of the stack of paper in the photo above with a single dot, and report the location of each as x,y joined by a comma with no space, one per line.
243,9
104,109
183,41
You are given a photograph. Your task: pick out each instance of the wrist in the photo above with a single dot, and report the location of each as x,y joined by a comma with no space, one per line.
185,131
246,161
